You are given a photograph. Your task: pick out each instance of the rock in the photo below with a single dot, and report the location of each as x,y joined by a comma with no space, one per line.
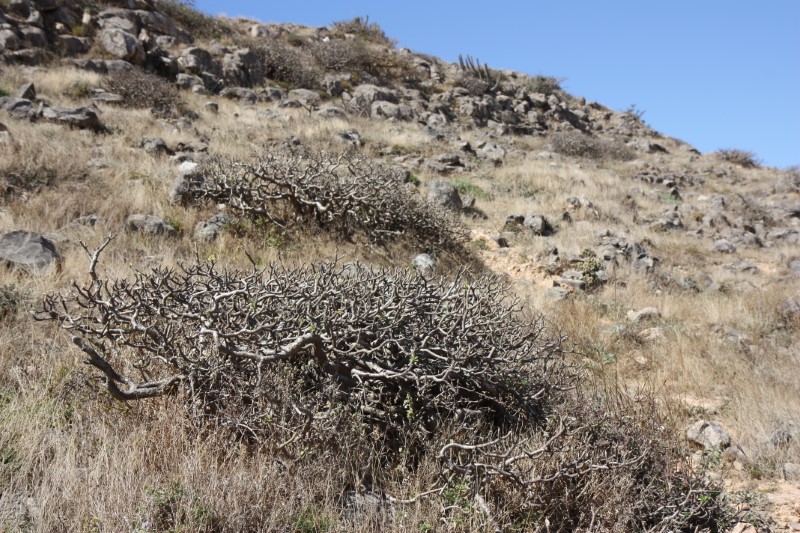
239,93
33,37
446,163
651,334
209,230
491,151
27,92
243,68
80,117
331,112
515,221
743,527
724,246
305,96
443,193
9,40
183,183
212,107
794,267
538,225
791,472
648,313
28,250
156,146
557,293
5,135
194,60
709,435
149,225
188,81
381,109
424,264
350,136
577,284
123,45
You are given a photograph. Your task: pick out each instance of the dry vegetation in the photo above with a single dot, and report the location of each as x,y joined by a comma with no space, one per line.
281,387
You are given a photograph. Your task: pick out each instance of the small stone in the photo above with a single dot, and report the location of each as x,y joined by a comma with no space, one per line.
424,264
648,313
651,334
791,471
557,293
149,225
724,246
708,434
743,527
212,107
27,91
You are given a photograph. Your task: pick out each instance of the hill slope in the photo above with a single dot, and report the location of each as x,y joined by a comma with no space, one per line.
673,277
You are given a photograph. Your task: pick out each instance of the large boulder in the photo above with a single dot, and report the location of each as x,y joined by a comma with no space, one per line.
9,40
81,117
709,435
123,45
149,225
444,194
194,60
243,68
28,250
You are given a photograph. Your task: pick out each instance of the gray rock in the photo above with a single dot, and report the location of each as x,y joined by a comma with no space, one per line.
71,46
538,225
33,37
155,146
79,117
794,267
209,230
194,60
212,107
577,284
648,313
557,293
123,45
5,135
424,264
351,137
184,182
724,246
381,109
149,225
242,67
28,250
444,194
331,112
305,96
188,81
9,40
239,93
709,435
791,472
491,151
27,91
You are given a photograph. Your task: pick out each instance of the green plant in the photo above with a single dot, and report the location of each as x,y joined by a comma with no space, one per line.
79,30
590,266
466,187
11,301
78,89
313,520
4,92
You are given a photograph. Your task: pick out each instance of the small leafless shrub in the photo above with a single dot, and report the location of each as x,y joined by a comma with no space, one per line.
194,21
285,63
362,28
378,371
580,145
476,86
342,193
544,84
140,89
743,158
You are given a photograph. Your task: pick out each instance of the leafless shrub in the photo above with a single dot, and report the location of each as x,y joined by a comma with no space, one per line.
544,84
743,158
342,193
143,89
363,58
476,86
361,28
285,63
381,370
580,145
194,21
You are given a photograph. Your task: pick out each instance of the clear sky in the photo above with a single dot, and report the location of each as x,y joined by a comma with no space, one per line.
716,74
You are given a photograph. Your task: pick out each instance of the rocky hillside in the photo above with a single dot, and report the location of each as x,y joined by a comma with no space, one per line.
625,352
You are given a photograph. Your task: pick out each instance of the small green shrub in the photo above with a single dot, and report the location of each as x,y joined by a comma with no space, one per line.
77,90
11,301
466,187
4,92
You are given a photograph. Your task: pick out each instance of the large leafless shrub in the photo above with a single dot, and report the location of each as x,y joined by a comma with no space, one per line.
576,144
342,193
379,371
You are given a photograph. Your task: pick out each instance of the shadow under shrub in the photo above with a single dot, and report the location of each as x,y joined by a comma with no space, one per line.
381,371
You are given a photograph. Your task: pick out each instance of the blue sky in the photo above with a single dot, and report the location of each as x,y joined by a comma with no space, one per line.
716,74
